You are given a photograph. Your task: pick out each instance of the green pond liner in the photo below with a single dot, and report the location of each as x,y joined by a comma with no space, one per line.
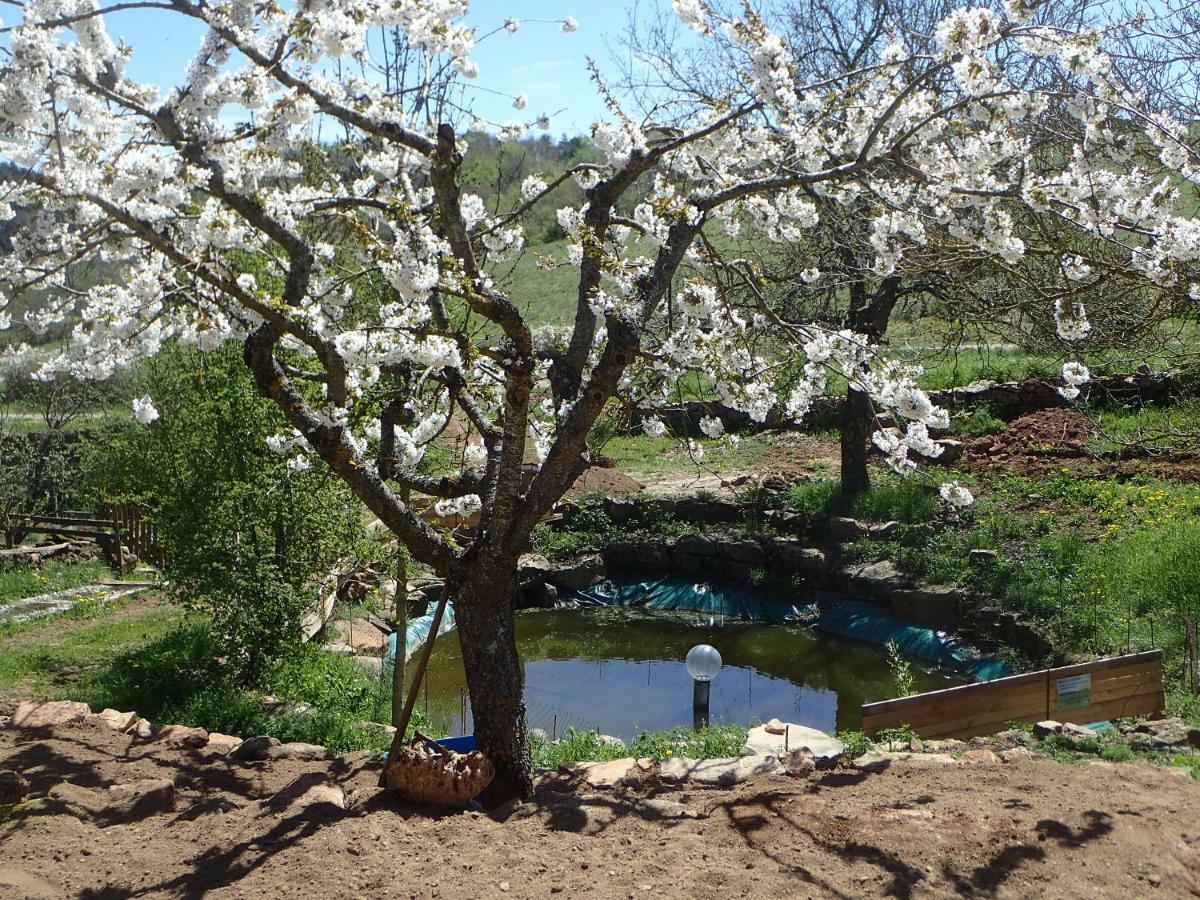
852,619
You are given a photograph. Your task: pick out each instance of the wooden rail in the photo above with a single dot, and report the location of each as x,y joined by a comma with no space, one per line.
113,528
1088,692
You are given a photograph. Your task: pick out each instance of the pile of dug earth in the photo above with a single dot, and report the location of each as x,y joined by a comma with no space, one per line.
108,805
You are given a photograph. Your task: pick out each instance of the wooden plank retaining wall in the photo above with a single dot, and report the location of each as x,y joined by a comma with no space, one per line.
1088,692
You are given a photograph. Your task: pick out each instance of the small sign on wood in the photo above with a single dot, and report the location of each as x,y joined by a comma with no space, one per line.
1074,692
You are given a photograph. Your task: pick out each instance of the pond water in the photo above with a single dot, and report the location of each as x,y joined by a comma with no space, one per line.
621,671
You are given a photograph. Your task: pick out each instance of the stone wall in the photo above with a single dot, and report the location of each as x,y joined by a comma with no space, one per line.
802,554
1008,400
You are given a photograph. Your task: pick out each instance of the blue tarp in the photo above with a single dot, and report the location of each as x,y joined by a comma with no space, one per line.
418,631
849,618
682,594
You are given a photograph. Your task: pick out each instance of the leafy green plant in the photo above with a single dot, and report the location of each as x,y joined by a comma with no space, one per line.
902,673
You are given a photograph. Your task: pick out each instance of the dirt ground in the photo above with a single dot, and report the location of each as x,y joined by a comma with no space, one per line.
1031,828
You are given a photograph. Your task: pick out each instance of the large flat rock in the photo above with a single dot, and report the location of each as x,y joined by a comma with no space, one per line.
761,742
723,771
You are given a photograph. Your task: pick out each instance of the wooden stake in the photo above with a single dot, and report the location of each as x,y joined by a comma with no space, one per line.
414,689
1193,662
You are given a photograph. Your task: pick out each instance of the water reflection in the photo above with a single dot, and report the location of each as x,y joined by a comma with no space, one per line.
622,671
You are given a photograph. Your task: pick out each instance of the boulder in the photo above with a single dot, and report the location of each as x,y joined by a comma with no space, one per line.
114,719
935,606
980,559
299,750
749,553
1170,733
1016,754
222,743
794,558
254,749
799,763
874,579
182,736
40,714
142,729
721,772
842,528
13,787
762,741
952,452
1044,729
981,756
579,575
603,775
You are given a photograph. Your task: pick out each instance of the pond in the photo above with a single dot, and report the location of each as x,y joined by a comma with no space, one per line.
620,670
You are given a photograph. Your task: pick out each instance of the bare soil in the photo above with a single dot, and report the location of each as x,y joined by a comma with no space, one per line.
1031,828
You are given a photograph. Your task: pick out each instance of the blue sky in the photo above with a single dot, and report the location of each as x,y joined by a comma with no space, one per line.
539,60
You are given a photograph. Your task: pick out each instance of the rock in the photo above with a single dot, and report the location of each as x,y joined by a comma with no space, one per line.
841,528
39,714
952,452
980,559
799,763
883,530
182,736
253,749
579,575
722,771
120,803
13,787
222,743
951,745
299,750
1170,733
762,742
749,553
792,557
603,775
880,760
309,789
143,729
114,719
773,727
661,809
1077,731
979,757
611,740
1044,729
937,606
1016,754
875,579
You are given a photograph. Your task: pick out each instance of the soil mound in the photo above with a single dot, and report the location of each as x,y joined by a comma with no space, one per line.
1060,432
606,480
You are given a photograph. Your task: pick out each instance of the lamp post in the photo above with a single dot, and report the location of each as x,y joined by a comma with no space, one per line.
703,663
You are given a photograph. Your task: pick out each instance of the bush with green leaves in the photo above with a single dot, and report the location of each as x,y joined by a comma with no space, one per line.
246,537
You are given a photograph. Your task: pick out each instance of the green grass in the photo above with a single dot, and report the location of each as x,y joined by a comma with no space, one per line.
1174,427
53,575
909,500
640,454
586,746
67,659
176,677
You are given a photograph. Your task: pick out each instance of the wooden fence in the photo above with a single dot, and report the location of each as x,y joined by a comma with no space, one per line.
1088,692
115,527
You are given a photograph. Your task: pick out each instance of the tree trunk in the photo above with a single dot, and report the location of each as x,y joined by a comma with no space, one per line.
869,314
483,606
857,417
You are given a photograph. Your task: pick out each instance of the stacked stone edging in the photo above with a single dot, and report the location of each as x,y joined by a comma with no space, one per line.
1007,399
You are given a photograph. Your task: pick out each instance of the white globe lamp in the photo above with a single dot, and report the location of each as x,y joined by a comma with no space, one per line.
703,662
